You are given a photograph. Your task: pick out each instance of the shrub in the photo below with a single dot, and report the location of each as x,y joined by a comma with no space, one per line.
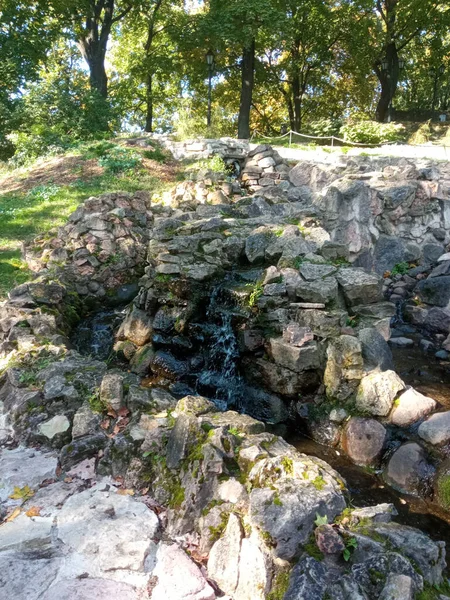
323,127
371,132
118,159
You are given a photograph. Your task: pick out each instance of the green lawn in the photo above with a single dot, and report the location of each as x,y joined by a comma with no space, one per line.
31,211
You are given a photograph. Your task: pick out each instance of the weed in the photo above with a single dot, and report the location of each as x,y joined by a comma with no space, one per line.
350,546
400,268
280,586
319,482
311,548
256,294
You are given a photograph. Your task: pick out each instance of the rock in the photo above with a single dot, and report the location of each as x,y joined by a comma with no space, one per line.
196,405
325,431
223,562
375,350
434,291
57,387
373,573
338,415
94,589
142,359
231,491
85,421
177,577
82,448
328,540
398,587
184,433
344,367
401,342
410,407
408,469
232,419
381,513
272,275
363,440
255,570
307,581
166,365
55,426
436,429
312,272
360,287
429,556
294,358
438,319
377,392
256,244
137,328
111,390
321,291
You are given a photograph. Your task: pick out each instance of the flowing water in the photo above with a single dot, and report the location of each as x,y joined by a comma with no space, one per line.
94,336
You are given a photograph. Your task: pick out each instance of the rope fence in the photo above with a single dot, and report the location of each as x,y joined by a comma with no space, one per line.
334,139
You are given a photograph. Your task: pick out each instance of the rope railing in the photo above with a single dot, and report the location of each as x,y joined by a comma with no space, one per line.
334,138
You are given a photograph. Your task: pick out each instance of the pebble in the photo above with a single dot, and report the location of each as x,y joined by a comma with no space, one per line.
401,342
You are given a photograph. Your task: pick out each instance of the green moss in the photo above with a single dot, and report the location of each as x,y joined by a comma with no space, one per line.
211,505
288,465
177,493
312,549
277,501
268,539
279,586
319,482
376,577
216,532
433,592
97,405
443,491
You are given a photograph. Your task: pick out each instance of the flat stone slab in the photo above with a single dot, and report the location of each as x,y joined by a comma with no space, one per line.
21,467
436,429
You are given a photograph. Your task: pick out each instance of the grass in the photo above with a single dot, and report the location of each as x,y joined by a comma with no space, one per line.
29,210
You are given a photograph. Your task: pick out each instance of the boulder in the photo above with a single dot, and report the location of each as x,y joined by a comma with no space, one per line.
434,291
375,350
409,470
328,540
436,429
223,562
294,358
55,426
398,587
137,328
377,392
344,366
360,287
321,291
312,272
363,440
111,390
256,244
410,407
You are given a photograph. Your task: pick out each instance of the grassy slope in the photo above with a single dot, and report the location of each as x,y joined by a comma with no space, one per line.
41,196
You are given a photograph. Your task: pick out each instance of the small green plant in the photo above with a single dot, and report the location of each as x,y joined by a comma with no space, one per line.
319,482
400,268
118,159
277,501
312,549
443,491
256,294
97,405
156,154
280,586
350,546
320,520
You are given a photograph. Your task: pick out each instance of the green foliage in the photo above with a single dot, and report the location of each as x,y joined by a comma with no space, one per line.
96,403
350,546
156,154
118,159
319,483
24,493
434,592
279,586
400,268
321,520
443,491
257,292
323,127
311,548
371,132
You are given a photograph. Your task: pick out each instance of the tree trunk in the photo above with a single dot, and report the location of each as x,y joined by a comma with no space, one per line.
248,79
296,91
98,79
149,104
388,80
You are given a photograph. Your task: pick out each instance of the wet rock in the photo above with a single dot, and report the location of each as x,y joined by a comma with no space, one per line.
111,390
436,429
177,577
363,440
166,365
401,342
325,432
381,513
375,350
434,291
377,392
137,328
408,470
344,366
328,540
142,359
410,407
360,287
250,340
82,448
294,358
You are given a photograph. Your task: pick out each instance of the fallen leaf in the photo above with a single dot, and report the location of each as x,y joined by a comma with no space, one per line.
105,424
34,511
125,492
13,515
23,493
112,413
123,411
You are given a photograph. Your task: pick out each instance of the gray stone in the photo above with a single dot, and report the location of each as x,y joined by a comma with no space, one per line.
166,365
311,272
375,350
377,392
434,291
196,405
307,581
256,244
137,327
373,573
111,390
408,469
142,359
410,407
185,431
56,425
438,319
344,366
57,387
363,440
322,291
398,587
436,429
294,358
401,342
85,421
23,578
381,513
223,561
360,287
178,577
94,589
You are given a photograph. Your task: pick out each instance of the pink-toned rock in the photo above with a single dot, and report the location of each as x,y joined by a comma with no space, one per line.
411,407
328,540
363,440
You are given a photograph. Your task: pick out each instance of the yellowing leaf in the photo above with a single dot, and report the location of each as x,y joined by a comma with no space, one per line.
22,493
34,511
125,492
